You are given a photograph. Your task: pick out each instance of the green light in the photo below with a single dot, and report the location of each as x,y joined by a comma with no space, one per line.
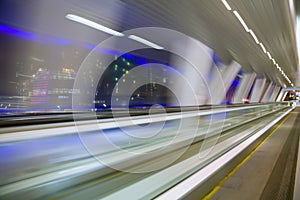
116,67
116,79
123,69
127,71
128,63
123,59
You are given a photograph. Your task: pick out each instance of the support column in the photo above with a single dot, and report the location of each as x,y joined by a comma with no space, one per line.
280,96
275,94
228,73
244,87
270,93
266,92
257,90
196,72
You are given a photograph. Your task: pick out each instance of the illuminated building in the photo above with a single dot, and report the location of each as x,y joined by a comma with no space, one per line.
40,84
61,88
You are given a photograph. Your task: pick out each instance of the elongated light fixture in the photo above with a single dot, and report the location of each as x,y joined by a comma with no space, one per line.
226,5
241,20
269,55
144,41
94,25
263,47
254,36
273,61
237,15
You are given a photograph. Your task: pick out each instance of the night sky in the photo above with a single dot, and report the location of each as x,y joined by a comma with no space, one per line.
10,50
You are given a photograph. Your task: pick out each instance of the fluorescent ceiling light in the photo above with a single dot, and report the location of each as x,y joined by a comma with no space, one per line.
269,55
226,4
146,42
263,47
254,36
241,20
273,61
93,25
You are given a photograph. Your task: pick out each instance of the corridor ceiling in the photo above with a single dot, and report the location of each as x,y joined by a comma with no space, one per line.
205,20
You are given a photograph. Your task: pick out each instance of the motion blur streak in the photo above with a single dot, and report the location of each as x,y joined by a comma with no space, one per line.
129,99
65,157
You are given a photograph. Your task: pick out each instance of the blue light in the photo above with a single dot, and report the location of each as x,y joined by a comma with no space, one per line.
127,56
42,39
111,51
216,59
59,41
235,82
102,50
88,46
17,33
